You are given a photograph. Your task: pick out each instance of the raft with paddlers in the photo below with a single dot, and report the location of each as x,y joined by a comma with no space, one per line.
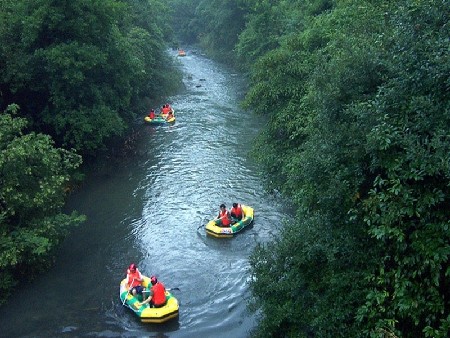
214,227
146,312
159,119
162,118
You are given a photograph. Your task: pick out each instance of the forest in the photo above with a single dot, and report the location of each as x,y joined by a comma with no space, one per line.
357,93
73,77
358,139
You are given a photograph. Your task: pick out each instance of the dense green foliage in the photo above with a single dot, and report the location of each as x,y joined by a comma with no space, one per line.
80,70
213,24
237,32
357,95
270,22
33,177
361,136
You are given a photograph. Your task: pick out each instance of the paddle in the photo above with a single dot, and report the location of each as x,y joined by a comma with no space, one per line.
125,298
169,289
201,226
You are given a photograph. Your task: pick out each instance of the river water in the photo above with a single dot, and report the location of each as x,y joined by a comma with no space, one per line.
148,207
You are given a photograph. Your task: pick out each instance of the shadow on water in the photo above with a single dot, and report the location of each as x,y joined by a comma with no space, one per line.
145,206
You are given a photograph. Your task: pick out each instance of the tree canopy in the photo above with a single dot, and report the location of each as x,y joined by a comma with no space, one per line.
33,178
357,95
362,139
215,25
80,70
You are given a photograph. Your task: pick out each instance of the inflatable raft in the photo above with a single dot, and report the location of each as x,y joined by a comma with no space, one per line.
215,230
146,313
160,119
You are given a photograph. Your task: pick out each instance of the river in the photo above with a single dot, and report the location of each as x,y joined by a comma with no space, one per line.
148,207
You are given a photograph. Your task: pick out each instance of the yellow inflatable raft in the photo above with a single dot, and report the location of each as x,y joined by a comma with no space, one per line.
160,119
215,230
146,313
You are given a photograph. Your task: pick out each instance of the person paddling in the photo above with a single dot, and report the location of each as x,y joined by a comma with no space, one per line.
169,116
134,281
236,212
165,109
224,218
157,296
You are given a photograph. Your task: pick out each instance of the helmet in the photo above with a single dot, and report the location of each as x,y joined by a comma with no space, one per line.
153,280
222,206
132,267
235,205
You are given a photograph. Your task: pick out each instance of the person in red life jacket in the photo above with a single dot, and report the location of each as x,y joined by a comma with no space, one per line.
224,218
152,114
236,212
169,115
134,280
157,296
165,109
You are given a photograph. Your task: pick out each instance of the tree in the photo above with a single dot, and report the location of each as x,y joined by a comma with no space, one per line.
33,178
407,207
77,67
213,24
359,142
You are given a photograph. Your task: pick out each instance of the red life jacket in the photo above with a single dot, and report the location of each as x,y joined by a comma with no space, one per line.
237,212
159,294
152,115
165,110
133,278
222,213
224,217
226,221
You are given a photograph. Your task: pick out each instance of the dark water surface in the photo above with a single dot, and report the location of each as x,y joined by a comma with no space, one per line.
146,208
